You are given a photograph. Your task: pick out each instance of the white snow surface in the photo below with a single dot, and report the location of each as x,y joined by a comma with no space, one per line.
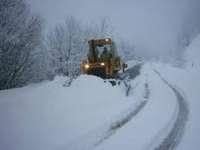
153,122
187,79
50,116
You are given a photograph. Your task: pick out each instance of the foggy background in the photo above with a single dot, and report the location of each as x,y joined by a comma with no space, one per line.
156,28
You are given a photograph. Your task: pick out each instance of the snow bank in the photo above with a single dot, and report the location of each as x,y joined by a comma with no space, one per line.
50,116
187,79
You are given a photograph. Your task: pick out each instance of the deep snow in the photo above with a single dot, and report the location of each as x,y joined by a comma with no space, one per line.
50,116
187,79
86,115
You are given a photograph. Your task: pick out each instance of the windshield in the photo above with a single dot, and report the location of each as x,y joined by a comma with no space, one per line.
102,48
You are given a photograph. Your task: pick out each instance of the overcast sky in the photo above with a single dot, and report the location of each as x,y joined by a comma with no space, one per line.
154,26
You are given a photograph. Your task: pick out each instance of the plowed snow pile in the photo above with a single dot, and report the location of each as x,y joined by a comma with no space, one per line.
50,116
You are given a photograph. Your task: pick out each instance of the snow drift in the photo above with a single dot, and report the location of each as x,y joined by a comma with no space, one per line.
49,116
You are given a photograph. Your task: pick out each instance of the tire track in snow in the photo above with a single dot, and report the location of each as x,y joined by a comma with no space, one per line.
97,137
176,133
132,73
120,123
100,135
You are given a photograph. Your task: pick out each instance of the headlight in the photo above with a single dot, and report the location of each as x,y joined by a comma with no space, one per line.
87,66
102,64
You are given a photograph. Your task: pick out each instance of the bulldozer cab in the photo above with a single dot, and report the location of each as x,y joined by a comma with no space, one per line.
101,50
102,59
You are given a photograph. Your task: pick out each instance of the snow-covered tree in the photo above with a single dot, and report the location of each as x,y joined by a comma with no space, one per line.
65,43
68,44
20,34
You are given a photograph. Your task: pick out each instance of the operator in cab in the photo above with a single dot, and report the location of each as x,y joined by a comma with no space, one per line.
106,55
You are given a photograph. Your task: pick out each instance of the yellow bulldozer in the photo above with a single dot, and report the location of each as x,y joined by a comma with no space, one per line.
102,59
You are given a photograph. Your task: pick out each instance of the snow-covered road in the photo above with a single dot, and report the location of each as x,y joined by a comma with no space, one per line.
50,116
169,129
174,136
177,124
